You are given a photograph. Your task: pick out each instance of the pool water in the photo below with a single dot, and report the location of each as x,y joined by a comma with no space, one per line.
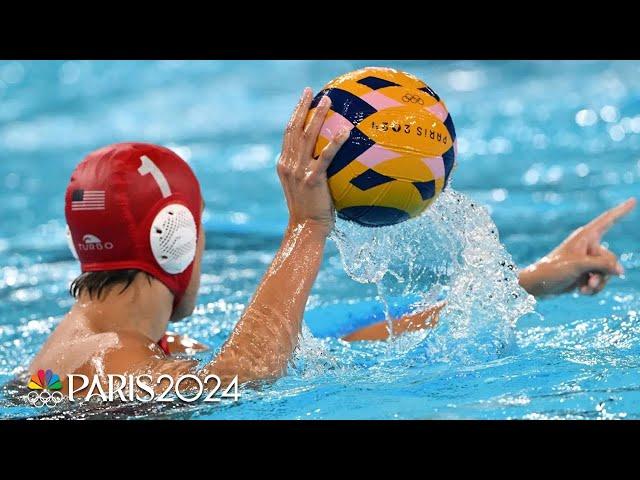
543,148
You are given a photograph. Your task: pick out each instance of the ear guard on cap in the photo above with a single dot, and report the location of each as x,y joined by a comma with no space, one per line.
173,238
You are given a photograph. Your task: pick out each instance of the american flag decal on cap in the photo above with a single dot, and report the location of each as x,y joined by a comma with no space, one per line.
87,200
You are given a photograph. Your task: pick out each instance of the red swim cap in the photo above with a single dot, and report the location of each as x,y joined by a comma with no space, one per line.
135,205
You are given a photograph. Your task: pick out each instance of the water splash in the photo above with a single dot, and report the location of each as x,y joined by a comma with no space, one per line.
314,356
452,252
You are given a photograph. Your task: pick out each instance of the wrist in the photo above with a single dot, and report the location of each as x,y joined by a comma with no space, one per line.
315,228
536,279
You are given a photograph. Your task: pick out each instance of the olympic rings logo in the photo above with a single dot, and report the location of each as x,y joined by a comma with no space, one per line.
409,98
44,397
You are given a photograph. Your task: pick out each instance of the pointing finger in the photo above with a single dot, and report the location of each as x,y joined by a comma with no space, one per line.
605,221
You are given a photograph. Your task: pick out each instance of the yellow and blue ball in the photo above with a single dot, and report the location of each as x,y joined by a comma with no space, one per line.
401,148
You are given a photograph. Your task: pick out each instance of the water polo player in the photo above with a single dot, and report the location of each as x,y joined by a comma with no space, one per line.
134,217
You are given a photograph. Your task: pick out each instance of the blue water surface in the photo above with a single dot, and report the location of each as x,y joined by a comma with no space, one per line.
544,145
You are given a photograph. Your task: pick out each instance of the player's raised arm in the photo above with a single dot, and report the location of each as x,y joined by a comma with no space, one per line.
263,340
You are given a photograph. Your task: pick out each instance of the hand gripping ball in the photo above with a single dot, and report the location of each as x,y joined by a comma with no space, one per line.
401,148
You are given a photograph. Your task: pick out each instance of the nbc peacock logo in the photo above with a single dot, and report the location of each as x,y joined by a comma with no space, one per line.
45,389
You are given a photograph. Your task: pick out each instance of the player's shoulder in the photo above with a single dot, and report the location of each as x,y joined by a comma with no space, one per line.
138,354
107,352
132,349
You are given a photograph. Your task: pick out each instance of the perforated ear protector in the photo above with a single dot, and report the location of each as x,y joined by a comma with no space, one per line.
71,245
173,237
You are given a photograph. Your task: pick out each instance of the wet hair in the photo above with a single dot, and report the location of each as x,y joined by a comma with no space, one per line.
99,283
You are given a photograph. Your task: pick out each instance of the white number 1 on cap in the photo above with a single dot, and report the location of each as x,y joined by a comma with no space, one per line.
148,166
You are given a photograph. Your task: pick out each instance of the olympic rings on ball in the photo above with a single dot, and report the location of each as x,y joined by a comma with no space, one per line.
408,98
